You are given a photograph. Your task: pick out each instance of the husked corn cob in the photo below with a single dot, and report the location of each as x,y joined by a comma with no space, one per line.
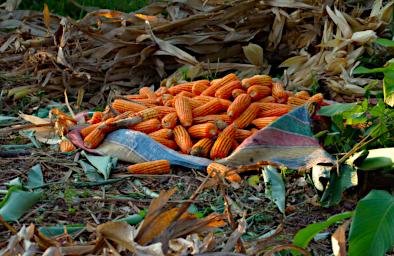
152,167
163,110
146,102
166,142
268,99
316,98
170,103
240,103
257,92
225,91
294,101
66,146
186,94
268,106
146,114
212,118
94,138
182,139
194,103
147,126
257,80
166,97
88,129
161,90
199,87
241,134
302,95
278,92
222,145
203,99
234,145
247,116
180,88
124,105
212,107
225,103
202,147
169,121
184,110
207,130
135,97
274,112
264,121
147,92
236,92
229,174
254,130
96,118
217,83
163,133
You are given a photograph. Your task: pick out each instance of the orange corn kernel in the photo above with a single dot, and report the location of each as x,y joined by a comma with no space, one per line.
147,92
66,146
147,126
212,107
180,88
257,92
166,142
199,87
264,121
263,80
152,167
212,118
207,130
247,116
182,139
218,83
163,133
222,146
97,117
170,120
241,134
184,110
274,112
124,105
240,103
225,92
236,92
202,147
229,174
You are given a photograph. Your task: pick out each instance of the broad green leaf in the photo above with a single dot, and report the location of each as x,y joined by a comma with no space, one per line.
388,87
59,230
372,229
14,182
385,42
90,171
335,109
17,202
374,159
7,119
253,180
275,187
318,172
338,184
305,235
132,219
35,177
103,164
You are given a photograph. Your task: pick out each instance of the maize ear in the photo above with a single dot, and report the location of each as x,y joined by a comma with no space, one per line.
123,105
217,83
184,110
202,147
241,134
236,92
212,118
247,116
166,142
93,139
212,107
170,120
257,92
180,88
147,126
268,99
147,92
229,174
161,91
66,146
263,80
274,112
182,139
225,91
97,117
199,87
264,121
207,130
222,146
278,92
240,103
318,98
163,133
153,167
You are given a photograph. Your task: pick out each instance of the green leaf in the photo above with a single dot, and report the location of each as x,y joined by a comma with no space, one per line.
253,180
35,177
132,219
335,109
385,42
372,228
275,187
305,235
103,164
59,230
90,171
388,87
7,119
338,184
377,159
17,202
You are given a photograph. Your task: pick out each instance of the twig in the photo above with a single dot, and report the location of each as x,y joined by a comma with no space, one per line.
8,226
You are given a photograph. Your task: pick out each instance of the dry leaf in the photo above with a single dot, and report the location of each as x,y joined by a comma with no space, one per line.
254,54
338,240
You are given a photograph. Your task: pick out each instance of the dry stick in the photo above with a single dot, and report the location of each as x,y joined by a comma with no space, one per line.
7,225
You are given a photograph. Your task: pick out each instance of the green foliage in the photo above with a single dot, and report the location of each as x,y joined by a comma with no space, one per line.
372,229
275,187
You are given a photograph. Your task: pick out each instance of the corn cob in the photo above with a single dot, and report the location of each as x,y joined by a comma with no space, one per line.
124,105
207,130
212,118
184,110
166,97
294,101
225,103
318,98
268,106
203,99
302,95
94,138
182,139
146,114
147,126
263,80
152,167
236,92
194,103
146,102
234,145
241,134
85,131
96,118
222,145
240,103
264,121
135,97
186,94
147,92
66,146
220,124
278,92
209,108
170,103
254,130
166,142
267,99
199,87
274,112
161,90
162,133
225,91
217,83
202,147
163,110
169,121
180,88
247,116
214,168
257,92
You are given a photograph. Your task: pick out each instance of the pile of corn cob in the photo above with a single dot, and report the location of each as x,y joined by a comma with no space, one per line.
202,118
